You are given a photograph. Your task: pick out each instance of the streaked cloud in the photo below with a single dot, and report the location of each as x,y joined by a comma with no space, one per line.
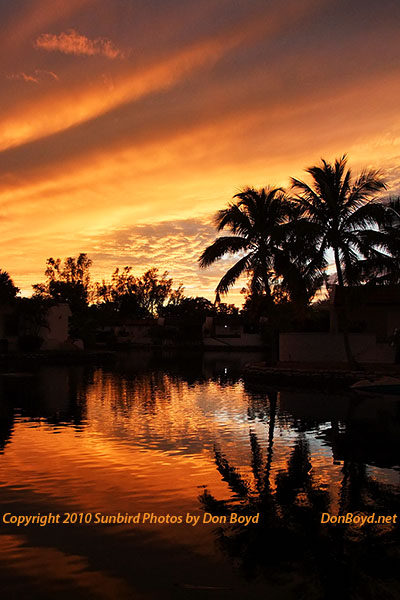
24,77
155,75
72,42
37,76
174,246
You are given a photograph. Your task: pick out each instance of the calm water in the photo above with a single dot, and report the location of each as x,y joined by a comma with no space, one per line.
178,436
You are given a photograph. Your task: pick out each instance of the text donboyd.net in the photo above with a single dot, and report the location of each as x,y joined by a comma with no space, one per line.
358,518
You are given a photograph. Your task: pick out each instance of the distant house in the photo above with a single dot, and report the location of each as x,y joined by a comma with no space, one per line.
129,331
373,313
20,330
229,333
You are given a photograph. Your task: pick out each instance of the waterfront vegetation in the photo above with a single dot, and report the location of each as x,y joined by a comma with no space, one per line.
282,240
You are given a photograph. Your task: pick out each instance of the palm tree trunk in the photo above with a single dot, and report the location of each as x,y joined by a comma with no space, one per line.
347,348
265,280
274,332
338,268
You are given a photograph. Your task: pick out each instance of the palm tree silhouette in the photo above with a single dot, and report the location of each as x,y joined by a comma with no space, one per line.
394,207
385,267
264,234
341,215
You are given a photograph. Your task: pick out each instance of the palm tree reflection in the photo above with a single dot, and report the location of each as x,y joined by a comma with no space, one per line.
289,546
6,424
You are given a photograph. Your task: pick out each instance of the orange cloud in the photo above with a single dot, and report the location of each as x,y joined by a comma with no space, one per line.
33,18
72,42
81,103
24,77
37,77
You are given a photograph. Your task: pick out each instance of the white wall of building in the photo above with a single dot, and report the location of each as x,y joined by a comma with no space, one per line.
329,347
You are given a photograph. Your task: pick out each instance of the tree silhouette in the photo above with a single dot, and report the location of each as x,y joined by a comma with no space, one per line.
67,282
264,235
144,296
384,267
8,290
340,214
343,214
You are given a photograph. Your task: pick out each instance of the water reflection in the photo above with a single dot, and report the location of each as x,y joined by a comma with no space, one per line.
55,394
289,544
6,424
155,433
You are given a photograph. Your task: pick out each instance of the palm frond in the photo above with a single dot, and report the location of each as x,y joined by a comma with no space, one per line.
233,274
369,214
307,201
220,247
367,184
233,218
237,484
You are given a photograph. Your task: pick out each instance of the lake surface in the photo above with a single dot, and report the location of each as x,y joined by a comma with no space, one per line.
176,436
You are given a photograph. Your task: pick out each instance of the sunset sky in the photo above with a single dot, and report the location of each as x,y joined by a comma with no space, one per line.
126,124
